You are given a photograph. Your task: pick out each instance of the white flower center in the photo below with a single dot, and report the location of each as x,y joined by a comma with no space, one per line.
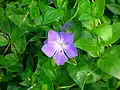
59,46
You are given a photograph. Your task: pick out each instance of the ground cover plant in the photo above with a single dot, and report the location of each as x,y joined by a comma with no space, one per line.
59,44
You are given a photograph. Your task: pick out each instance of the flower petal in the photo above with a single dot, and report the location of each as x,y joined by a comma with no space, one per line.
49,49
67,38
61,28
45,42
60,58
71,51
66,26
53,36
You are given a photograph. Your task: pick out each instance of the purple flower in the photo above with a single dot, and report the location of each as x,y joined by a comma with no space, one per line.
66,26
60,46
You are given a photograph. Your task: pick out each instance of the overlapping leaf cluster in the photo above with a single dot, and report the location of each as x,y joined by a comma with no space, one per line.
24,25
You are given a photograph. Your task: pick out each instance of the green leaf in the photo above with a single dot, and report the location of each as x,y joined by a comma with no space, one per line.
3,41
43,5
27,1
51,15
48,68
59,3
43,81
70,14
16,33
34,10
39,20
9,60
19,19
78,76
84,9
12,87
115,8
15,8
90,24
111,83
15,68
55,73
18,40
98,8
76,29
62,3
104,31
115,31
5,25
84,72
100,85
110,61
87,42
1,12
118,1
1,75
20,44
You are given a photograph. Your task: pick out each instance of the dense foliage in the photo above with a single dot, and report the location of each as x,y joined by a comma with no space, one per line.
24,27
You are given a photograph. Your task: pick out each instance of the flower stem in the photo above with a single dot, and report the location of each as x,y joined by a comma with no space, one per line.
6,48
67,86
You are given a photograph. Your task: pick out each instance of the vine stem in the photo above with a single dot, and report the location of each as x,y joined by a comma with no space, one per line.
67,86
24,18
74,60
92,71
76,4
6,48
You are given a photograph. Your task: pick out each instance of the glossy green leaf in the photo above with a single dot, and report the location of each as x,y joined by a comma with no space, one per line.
5,25
60,3
19,19
9,60
20,44
104,31
115,8
78,76
15,68
84,72
110,61
90,24
84,10
76,29
1,75
70,14
43,5
1,13
27,1
87,42
34,10
115,31
51,16
3,41
43,81
98,8
18,40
